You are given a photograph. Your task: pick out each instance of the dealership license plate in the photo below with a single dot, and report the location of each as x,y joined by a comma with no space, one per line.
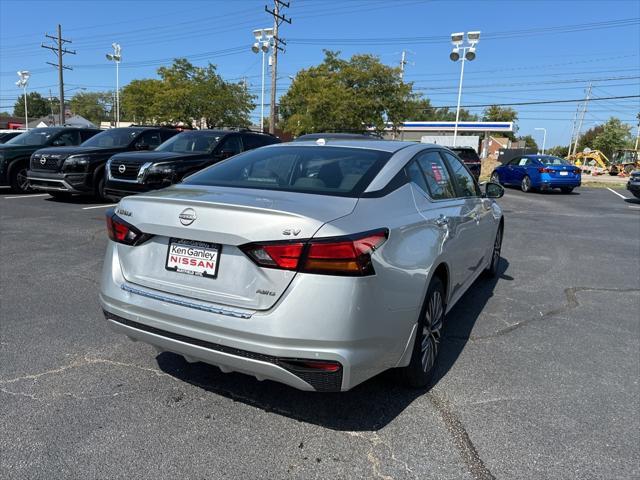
193,257
564,173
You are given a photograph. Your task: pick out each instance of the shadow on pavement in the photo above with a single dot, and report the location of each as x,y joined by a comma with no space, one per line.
368,407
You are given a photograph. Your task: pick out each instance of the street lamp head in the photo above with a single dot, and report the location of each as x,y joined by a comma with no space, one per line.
473,37
265,47
455,54
470,54
255,48
456,38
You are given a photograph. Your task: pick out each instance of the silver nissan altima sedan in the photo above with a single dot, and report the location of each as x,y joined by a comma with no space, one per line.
317,264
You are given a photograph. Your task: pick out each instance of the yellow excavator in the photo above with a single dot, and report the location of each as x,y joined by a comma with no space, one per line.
594,162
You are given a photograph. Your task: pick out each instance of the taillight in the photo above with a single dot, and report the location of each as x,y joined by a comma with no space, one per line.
121,232
350,255
577,171
327,366
544,170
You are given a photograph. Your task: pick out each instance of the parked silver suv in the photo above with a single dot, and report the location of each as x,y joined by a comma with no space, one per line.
317,264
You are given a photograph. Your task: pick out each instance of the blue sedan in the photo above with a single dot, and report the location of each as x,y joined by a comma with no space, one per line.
542,172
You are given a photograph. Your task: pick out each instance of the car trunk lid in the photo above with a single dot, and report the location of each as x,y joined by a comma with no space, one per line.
225,218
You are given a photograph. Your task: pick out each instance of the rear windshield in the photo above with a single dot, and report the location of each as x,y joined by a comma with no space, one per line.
336,171
191,142
554,161
114,138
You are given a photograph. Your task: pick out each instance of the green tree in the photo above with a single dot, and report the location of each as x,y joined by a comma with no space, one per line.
587,138
37,106
495,113
559,151
138,100
422,110
94,106
529,141
614,135
188,94
346,95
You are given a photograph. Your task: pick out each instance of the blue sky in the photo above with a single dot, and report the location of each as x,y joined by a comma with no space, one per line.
529,50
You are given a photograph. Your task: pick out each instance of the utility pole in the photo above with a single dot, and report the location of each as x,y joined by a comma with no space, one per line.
60,50
277,20
403,62
584,110
51,107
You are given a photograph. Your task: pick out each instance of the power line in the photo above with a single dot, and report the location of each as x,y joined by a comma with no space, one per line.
542,102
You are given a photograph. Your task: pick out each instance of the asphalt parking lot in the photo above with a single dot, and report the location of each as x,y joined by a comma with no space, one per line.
539,375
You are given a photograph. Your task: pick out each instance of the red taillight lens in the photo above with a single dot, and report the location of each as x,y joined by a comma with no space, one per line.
275,255
121,232
344,257
349,255
311,365
577,171
544,170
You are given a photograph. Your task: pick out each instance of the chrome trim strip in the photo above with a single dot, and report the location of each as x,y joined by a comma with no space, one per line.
184,303
65,187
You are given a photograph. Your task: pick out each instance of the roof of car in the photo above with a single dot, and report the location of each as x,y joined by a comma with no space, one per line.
383,145
337,136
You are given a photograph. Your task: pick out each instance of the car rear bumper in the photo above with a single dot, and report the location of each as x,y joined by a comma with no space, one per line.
60,182
633,187
364,341
547,183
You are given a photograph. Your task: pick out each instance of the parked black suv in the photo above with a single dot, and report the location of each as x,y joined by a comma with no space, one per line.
15,154
65,171
188,152
470,158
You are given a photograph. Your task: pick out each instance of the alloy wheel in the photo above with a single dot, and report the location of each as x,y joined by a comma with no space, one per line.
526,184
431,332
22,181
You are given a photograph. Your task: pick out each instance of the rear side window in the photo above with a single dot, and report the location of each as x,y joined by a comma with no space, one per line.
467,155
68,139
87,134
255,141
436,175
151,138
336,171
232,144
463,179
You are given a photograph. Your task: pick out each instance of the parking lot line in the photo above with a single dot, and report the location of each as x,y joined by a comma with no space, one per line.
100,206
620,195
28,196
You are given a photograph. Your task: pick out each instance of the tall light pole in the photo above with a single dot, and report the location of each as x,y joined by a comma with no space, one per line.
262,44
22,83
116,57
462,51
544,137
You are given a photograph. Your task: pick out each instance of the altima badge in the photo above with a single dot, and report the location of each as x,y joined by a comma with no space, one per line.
188,216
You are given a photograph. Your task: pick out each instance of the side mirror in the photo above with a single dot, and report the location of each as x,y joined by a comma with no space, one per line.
493,190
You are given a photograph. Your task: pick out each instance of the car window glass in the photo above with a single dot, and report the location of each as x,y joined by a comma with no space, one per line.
438,181
415,175
87,134
232,144
523,162
514,162
150,138
464,180
325,170
167,134
68,139
253,141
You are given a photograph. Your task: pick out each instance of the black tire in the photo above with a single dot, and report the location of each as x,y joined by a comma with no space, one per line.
495,178
566,189
18,179
525,184
424,358
60,195
99,190
492,269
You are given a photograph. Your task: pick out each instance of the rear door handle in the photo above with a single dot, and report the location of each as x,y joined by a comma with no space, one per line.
442,221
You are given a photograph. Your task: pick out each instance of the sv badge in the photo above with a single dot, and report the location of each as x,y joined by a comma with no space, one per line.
291,231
